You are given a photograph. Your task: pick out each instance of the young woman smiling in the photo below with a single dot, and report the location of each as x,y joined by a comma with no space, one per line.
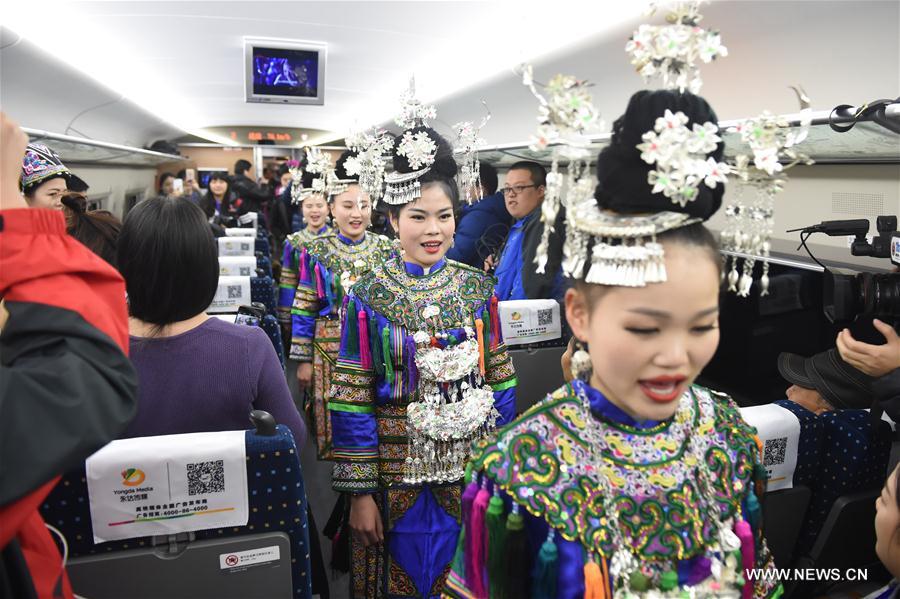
327,266
422,372
630,474
314,208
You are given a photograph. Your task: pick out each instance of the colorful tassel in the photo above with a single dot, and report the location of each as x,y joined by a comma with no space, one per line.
329,293
495,322
468,498
748,552
547,569
518,556
754,512
304,272
487,336
477,543
386,354
352,334
479,331
412,371
365,353
594,587
320,285
496,552
377,348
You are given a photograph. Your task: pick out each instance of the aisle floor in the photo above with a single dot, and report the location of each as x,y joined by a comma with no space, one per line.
317,476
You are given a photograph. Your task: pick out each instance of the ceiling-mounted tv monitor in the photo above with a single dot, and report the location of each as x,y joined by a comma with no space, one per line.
284,71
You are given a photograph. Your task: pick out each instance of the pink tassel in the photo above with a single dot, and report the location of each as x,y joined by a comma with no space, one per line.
468,500
304,272
365,351
748,551
495,322
320,284
477,544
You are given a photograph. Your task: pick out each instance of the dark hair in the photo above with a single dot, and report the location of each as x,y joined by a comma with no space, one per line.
538,172
76,183
29,191
488,176
98,230
442,172
241,166
169,260
207,201
163,177
340,167
622,174
283,169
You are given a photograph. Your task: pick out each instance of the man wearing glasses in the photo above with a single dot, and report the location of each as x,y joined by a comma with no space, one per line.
523,193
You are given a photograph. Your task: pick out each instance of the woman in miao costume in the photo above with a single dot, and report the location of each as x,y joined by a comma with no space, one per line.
630,480
314,207
422,373
328,265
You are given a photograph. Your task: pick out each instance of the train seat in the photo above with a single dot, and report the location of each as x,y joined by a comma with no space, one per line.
262,290
195,564
791,441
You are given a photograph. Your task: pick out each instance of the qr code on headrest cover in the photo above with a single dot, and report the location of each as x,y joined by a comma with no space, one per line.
234,292
545,317
206,477
773,451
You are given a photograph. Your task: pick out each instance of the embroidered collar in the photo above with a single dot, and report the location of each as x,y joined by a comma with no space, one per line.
346,240
544,462
601,406
418,271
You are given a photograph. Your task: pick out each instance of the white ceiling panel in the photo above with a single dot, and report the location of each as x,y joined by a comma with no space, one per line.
180,64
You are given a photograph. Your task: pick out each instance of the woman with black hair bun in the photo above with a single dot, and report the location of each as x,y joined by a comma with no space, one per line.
631,480
319,273
422,372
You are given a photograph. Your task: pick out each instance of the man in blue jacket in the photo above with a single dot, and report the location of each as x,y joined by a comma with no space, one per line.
516,273
482,226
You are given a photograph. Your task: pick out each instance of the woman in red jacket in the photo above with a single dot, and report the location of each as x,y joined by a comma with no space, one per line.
66,385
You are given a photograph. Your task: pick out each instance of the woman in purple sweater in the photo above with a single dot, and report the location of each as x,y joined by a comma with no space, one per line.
195,373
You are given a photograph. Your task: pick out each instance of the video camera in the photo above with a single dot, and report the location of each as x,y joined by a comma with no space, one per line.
866,293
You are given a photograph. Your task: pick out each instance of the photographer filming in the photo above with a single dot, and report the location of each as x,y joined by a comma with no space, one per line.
855,366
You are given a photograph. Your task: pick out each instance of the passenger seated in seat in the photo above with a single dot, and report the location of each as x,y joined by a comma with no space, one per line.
825,382
887,535
196,373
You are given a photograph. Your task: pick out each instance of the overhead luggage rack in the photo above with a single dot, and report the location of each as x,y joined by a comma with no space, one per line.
83,151
869,141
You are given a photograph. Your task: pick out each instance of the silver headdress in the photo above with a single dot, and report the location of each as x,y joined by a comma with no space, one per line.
369,163
296,182
671,52
418,148
563,121
468,142
318,164
772,141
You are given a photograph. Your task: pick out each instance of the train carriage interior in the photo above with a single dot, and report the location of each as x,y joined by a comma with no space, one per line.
232,106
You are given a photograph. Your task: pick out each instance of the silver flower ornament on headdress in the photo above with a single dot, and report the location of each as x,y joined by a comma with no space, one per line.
412,112
369,165
772,142
563,121
468,142
680,157
296,183
672,51
418,148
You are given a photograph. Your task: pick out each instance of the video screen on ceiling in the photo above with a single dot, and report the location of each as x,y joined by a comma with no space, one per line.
281,72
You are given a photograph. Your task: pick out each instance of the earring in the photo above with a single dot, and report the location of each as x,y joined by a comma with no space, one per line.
582,368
